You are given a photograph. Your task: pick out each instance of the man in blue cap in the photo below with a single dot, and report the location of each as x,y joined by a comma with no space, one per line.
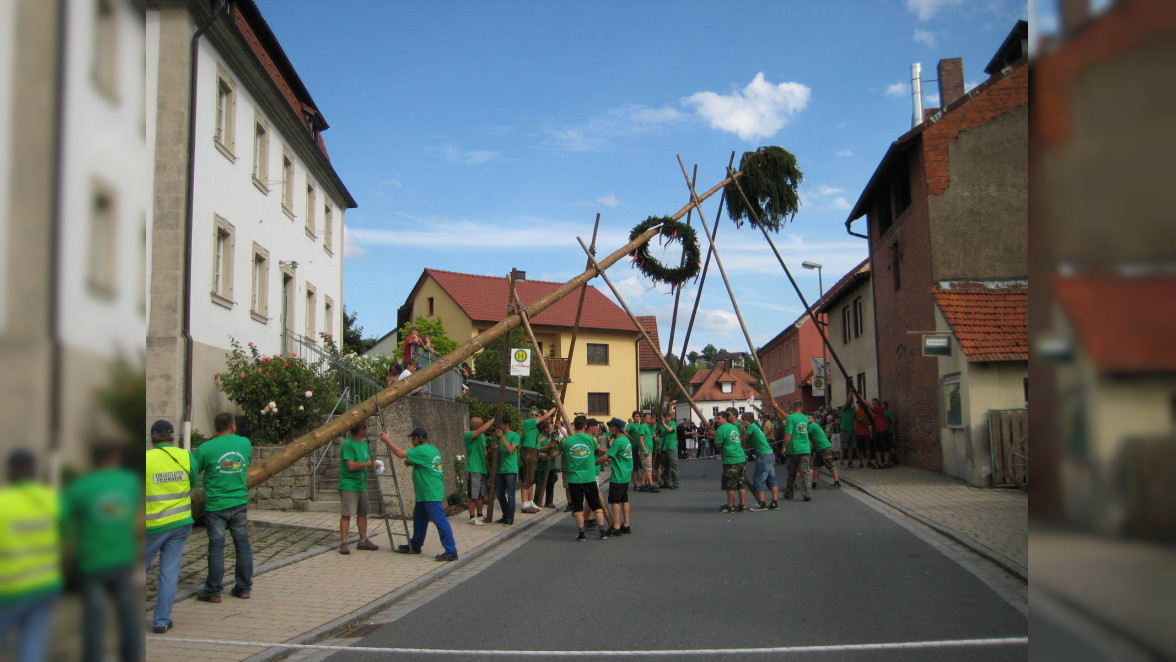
428,483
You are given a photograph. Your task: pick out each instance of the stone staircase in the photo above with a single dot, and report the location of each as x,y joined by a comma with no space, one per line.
325,496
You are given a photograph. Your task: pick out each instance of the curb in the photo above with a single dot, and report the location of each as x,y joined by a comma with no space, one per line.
1149,647
1004,562
429,577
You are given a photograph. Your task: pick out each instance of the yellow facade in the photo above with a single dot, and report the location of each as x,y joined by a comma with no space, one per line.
618,378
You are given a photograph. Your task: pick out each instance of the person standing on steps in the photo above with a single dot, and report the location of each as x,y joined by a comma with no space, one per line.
428,485
354,460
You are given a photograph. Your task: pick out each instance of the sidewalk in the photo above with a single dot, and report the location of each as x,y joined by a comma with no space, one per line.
299,591
993,522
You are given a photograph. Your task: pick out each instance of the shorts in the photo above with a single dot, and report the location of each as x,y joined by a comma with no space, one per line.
618,493
530,458
352,503
646,463
846,439
581,491
765,473
862,442
882,441
476,487
733,477
824,459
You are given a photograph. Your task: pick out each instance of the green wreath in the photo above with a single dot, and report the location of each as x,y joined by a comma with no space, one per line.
770,178
670,230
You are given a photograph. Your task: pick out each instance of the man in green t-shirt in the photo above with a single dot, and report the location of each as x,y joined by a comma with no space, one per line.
796,453
529,457
668,448
579,452
848,419
822,453
224,461
507,443
476,469
428,483
355,457
633,432
102,513
649,447
765,464
620,462
729,442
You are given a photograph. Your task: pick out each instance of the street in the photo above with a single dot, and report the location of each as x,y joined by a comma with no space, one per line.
832,572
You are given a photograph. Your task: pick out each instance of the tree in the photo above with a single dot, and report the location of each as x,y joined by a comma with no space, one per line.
488,367
432,329
353,340
692,358
708,354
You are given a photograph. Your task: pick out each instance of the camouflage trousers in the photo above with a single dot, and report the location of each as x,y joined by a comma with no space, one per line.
794,464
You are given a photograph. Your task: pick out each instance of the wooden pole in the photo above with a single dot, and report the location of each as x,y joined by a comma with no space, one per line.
665,385
551,384
600,267
563,388
804,302
492,470
731,292
291,452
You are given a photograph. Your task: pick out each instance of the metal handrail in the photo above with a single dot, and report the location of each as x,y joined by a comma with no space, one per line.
326,449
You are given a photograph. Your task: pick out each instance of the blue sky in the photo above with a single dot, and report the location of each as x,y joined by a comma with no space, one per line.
480,136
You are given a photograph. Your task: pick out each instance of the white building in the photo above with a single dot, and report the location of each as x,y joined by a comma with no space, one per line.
717,389
264,249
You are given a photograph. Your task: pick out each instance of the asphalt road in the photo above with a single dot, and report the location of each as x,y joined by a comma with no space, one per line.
830,572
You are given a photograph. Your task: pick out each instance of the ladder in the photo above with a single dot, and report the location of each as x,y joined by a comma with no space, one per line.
395,485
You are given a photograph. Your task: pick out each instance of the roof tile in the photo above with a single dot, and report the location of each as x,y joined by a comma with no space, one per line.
710,391
990,324
1123,323
646,355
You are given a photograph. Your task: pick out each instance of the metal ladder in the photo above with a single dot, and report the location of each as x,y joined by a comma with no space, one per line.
395,484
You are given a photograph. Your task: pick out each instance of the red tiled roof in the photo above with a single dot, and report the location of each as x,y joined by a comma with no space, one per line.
646,355
712,377
484,299
990,324
1123,322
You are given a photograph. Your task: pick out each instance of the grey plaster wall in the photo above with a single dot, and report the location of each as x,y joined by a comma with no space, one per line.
445,422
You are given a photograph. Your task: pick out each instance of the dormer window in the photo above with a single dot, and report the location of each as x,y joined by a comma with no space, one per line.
727,387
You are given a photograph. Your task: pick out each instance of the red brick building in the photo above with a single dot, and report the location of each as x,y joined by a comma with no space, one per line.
948,202
787,360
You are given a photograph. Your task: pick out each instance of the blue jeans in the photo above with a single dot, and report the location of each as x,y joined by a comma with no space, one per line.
506,495
765,472
235,520
31,619
118,584
431,511
170,547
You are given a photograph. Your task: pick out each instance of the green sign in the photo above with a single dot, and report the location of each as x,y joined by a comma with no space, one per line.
936,345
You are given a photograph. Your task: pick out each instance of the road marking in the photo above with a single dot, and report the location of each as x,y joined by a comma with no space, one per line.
782,650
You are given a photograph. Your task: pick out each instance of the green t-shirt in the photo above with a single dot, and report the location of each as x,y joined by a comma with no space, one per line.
647,435
817,436
475,452
428,479
635,432
102,511
508,463
797,425
620,459
224,461
669,440
727,437
756,434
848,418
580,458
543,463
356,451
530,433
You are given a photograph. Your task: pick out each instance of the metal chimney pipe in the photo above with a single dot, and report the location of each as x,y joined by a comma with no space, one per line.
917,93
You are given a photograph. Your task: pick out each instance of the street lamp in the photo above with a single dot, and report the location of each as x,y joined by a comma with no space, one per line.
824,360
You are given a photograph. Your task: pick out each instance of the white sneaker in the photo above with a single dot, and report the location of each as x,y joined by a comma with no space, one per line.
477,521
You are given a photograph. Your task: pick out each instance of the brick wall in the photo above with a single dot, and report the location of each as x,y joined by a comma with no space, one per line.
289,490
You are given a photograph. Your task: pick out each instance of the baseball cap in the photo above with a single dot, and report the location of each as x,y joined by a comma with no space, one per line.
162,427
617,422
419,432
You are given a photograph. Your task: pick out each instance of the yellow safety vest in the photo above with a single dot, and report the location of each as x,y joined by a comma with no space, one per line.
168,487
30,540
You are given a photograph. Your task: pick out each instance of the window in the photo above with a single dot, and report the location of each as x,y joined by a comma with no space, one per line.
953,409
310,205
597,354
261,154
105,64
102,268
328,316
714,411
431,313
287,183
225,135
328,228
259,297
902,189
882,213
311,309
741,410
598,403
845,324
861,385
896,266
223,238
727,387
859,321
795,352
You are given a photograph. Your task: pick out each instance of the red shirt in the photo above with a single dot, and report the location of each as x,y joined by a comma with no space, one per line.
881,423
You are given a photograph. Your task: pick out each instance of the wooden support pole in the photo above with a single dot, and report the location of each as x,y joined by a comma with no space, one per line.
731,292
563,388
320,436
600,267
665,385
492,470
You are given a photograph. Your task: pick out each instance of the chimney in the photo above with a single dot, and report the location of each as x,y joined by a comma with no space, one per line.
1073,14
951,80
917,93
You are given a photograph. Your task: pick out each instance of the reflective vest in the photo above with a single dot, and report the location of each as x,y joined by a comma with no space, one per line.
168,488
30,540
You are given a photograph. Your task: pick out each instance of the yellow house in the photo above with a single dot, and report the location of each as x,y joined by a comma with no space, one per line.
604,373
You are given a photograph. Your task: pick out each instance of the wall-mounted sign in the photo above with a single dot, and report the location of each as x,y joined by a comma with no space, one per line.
936,345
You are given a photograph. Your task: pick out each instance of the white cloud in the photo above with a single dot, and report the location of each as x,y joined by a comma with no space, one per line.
925,37
897,89
630,288
846,153
925,9
971,85
597,134
717,321
465,157
931,100
609,200
351,247
840,203
825,189
759,110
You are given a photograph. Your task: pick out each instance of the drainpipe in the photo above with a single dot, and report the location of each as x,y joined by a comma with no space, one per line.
57,348
189,212
849,229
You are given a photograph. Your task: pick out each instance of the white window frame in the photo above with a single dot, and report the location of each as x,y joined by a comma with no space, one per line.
224,130
311,311
726,387
259,279
261,145
287,183
328,226
328,316
222,261
104,66
311,202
